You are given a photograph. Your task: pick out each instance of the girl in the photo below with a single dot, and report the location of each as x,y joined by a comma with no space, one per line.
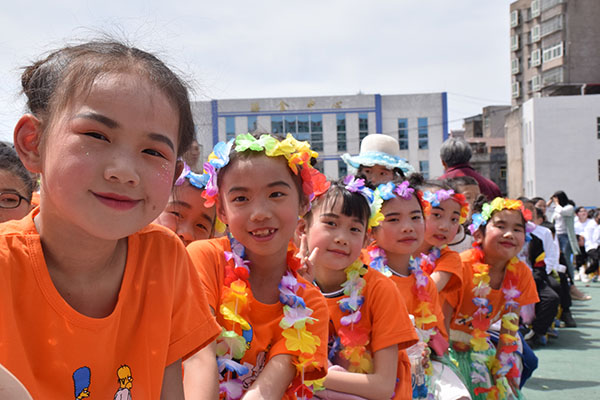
16,186
496,285
274,322
186,214
396,238
111,306
369,327
445,212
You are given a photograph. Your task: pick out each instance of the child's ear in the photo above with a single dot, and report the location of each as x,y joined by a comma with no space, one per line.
478,236
221,211
301,227
27,137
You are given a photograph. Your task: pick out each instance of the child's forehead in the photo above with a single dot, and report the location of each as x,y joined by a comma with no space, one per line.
404,205
511,216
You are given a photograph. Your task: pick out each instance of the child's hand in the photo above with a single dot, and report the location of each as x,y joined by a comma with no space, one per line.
307,271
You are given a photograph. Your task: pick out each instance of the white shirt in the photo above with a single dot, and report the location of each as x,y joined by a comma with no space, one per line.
551,249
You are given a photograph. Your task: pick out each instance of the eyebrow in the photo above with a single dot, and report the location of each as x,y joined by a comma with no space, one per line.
393,214
270,185
189,206
112,124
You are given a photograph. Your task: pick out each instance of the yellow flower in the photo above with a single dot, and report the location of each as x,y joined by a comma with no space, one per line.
301,340
228,312
479,344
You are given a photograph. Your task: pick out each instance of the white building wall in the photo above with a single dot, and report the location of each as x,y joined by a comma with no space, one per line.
563,150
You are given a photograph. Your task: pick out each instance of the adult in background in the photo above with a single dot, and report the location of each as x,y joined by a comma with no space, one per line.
456,154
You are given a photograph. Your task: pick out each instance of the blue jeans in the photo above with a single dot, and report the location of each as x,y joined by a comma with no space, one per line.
565,248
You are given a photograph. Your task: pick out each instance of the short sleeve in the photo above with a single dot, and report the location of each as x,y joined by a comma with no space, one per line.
205,256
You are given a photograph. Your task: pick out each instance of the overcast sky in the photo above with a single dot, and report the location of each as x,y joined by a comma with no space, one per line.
245,49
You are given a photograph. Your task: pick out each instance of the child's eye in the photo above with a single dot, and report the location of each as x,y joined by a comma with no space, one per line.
328,222
455,220
238,199
201,226
277,194
97,135
356,230
416,217
175,213
154,153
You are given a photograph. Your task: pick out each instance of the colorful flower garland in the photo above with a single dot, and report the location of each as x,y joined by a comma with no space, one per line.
231,346
297,153
504,365
437,197
499,204
355,185
354,339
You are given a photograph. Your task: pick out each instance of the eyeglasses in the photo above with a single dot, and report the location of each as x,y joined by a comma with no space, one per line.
11,200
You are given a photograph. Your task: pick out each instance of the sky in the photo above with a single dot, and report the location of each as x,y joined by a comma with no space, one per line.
241,49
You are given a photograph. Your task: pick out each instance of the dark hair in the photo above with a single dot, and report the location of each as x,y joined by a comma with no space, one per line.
563,200
435,185
354,204
234,156
579,209
50,84
461,181
539,213
455,151
536,199
9,161
398,174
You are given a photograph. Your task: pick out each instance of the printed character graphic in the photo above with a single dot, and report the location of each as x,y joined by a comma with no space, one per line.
125,383
81,380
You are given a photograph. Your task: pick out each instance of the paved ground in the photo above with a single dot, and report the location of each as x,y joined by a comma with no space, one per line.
569,367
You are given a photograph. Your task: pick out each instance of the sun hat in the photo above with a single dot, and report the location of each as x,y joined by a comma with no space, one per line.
379,149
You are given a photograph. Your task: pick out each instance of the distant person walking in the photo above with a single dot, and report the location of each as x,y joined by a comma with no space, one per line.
456,154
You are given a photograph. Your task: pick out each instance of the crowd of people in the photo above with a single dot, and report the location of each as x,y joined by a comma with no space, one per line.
126,272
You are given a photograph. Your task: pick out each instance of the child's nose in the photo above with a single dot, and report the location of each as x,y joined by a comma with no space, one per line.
122,170
260,211
185,233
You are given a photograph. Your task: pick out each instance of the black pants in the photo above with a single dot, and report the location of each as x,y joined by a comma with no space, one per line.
594,258
547,307
563,290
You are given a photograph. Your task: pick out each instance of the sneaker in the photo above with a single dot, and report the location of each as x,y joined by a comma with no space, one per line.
537,341
583,276
526,332
552,332
567,318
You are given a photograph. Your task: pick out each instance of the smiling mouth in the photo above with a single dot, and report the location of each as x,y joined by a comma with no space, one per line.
116,201
440,237
262,233
338,252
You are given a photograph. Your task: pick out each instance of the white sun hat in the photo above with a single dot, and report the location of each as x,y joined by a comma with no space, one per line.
379,149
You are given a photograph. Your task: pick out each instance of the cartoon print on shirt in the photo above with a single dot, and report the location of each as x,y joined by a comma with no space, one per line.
125,380
81,381
250,377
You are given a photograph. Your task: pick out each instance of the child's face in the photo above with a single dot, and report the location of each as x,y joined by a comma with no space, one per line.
377,174
186,215
470,192
401,232
340,238
108,159
12,185
260,202
504,236
443,223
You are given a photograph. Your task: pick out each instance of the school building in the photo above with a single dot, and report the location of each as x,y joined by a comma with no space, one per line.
334,125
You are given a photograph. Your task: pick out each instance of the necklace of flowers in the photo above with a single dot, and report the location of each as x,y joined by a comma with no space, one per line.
234,308
354,339
428,260
297,153
504,365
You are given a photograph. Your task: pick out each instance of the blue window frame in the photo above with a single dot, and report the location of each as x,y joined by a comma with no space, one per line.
341,132
252,125
403,133
423,129
424,168
363,125
229,128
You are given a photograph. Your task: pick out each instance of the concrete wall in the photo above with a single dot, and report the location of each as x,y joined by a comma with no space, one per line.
583,41
514,155
562,149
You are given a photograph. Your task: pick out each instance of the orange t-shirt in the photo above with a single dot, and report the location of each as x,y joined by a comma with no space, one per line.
449,261
385,317
406,287
161,316
265,339
460,327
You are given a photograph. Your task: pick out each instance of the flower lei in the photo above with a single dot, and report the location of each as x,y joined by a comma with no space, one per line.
358,186
499,204
437,197
297,153
505,365
354,339
428,260
231,346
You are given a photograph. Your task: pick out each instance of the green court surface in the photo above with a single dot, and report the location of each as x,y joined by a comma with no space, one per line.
569,366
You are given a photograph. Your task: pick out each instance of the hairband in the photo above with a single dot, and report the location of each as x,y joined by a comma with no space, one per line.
437,197
499,204
389,190
199,181
352,184
298,155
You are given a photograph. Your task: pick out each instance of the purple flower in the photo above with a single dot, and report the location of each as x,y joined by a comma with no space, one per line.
403,191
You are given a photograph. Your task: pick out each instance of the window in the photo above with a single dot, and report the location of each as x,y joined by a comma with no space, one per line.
319,166
229,128
515,90
424,168
552,25
316,132
277,124
503,173
514,18
554,75
536,58
290,125
341,132
598,126
552,52
535,33
536,83
598,170
363,126
547,4
514,42
252,124
342,169
403,133
423,129
303,132
535,8
514,66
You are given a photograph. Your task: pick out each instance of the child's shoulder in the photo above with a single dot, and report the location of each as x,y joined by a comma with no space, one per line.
447,253
218,245
18,227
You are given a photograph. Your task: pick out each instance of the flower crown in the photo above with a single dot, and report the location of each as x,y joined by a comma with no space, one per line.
298,155
389,190
358,186
499,204
435,198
